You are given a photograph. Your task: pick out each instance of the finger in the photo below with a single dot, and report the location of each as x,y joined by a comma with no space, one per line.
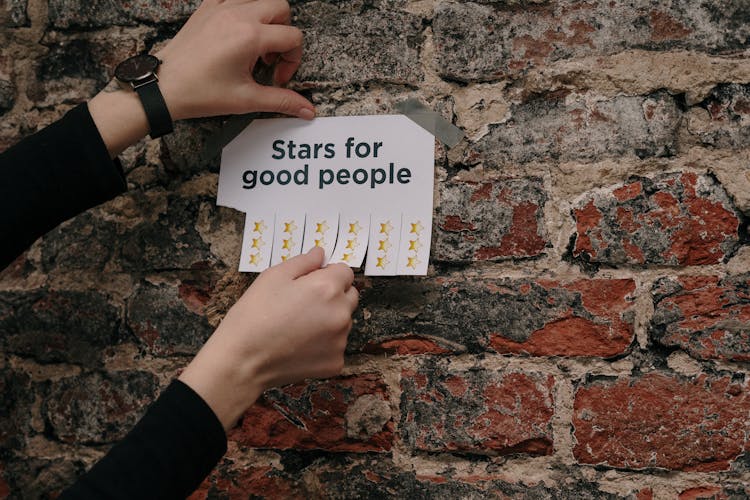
281,39
287,65
208,4
276,100
270,58
270,11
339,273
303,264
286,41
352,298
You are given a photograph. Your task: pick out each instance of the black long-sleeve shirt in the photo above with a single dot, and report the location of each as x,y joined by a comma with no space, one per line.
45,179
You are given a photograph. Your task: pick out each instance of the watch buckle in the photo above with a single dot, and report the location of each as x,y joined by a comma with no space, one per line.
150,79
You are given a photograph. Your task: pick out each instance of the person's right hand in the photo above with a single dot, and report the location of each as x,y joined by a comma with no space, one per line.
291,324
207,70
207,67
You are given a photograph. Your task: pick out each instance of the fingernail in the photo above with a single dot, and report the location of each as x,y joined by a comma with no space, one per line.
306,114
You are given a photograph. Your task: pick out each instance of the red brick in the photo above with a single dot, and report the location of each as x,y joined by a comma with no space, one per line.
15,14
628,192
728,126
65,14
558,127
17,396
169,319
706,316
4,487
645,494
663,421
243,481
42,478
677,219
573,334
702,493
666,27
492,220
83,243
538,318
376,477
60,325
98,408
537,35
18,270
408,344
321,415
172,241
346,44
479,412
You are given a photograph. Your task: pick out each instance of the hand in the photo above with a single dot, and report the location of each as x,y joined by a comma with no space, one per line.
207,70
291,324
207,67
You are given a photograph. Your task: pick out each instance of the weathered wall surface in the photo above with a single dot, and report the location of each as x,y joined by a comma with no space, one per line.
584,331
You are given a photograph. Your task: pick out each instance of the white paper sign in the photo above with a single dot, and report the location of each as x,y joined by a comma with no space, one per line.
334,182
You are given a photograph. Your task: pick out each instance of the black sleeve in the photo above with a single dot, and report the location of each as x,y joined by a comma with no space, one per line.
45,179
166,455
52,176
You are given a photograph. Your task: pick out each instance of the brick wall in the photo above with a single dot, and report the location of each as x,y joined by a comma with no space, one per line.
584,331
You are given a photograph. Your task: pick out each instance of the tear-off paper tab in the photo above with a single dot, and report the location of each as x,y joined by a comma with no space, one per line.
382,251
414,250
351,246
257,243
319,180
320,231
287,241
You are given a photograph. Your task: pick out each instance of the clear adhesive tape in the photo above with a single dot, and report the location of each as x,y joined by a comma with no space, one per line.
443,130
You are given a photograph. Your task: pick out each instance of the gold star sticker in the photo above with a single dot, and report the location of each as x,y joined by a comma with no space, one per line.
350,244
382,262
320,242
322,227
255,259
412,262
355,228
416,228
414,245
287,244
259,227
384,245
386,228
346,257
257,243
290,227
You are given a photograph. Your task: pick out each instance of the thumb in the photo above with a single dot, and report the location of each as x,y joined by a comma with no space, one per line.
303,264
278,100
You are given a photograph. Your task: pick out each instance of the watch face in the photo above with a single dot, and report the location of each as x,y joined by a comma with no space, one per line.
136,68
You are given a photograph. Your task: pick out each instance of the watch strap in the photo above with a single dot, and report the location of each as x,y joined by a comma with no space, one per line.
157,113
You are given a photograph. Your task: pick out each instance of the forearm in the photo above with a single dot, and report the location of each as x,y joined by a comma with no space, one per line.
227,386
120,118
51,176
166,455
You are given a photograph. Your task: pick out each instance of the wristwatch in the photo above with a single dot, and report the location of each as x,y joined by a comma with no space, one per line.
140,72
